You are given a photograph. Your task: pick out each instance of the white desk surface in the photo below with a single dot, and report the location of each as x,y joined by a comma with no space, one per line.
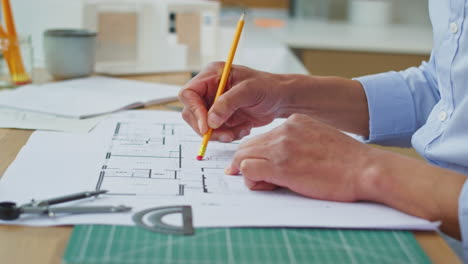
312,34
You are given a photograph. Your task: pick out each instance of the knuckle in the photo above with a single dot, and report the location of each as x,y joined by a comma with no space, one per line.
292,125
250,88
287,129
181,95
296,117
186,114
192,108
247,84
215,65
283,157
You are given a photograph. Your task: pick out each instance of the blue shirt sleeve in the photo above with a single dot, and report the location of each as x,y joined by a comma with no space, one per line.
399,103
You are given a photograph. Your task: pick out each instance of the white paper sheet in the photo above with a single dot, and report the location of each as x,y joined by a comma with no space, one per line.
12,118
86,97
147,159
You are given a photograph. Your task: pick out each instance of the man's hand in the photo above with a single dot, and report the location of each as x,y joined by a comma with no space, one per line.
251,99
305,156
316,160
254,98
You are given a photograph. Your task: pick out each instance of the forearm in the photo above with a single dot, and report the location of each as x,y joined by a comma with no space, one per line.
414,187
339,102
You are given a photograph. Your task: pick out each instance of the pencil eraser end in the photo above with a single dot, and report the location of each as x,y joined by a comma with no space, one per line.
199,157
23,82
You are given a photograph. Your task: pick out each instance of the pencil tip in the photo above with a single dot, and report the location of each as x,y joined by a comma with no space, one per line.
243,15
199,157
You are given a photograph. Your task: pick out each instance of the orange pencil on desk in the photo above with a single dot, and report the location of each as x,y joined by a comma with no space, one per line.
13,56
8,16
223,81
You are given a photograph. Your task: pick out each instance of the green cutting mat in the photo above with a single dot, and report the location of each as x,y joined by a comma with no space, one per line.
122,244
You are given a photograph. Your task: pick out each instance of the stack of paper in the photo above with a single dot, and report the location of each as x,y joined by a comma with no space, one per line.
60,105
86,97
12,118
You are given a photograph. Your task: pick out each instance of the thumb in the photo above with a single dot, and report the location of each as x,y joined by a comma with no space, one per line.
228,103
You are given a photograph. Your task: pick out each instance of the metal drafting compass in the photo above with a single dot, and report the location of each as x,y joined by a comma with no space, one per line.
152,219
9,210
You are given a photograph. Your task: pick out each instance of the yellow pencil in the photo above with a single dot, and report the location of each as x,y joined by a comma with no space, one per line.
223,81
8,16
13,54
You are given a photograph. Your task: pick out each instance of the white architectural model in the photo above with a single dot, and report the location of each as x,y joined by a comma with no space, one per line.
138,36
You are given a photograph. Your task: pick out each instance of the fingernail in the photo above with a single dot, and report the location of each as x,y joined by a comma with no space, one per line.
225,138
200,126
228,170
214,120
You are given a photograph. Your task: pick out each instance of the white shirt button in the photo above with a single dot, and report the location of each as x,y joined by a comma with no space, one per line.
443,115
453,27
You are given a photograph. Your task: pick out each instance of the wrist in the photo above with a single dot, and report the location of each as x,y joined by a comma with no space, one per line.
296,93
372,182
409,185
339,102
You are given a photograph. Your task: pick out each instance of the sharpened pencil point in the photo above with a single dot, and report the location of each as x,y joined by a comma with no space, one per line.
243,16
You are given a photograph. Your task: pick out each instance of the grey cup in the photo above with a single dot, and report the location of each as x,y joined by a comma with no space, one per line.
69,53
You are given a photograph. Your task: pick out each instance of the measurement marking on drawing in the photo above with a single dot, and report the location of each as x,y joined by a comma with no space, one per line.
117,129
101,178
180,156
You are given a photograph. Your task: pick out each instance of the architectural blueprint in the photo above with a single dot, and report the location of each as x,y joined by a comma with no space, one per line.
147,159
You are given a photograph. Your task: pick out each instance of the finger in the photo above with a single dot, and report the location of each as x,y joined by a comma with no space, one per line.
257,169
237,97
200,92
259,186
194,104
206,82
256,151
191,120
257,173
229,134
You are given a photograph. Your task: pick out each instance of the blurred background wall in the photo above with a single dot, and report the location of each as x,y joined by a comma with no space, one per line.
403,11
410,16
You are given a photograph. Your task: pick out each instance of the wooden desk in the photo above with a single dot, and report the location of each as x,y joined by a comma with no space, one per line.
352,64
46,244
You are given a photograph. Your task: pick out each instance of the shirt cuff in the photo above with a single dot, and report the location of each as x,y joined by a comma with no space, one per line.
392,119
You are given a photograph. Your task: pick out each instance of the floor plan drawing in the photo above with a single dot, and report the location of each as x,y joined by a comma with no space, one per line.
149,159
